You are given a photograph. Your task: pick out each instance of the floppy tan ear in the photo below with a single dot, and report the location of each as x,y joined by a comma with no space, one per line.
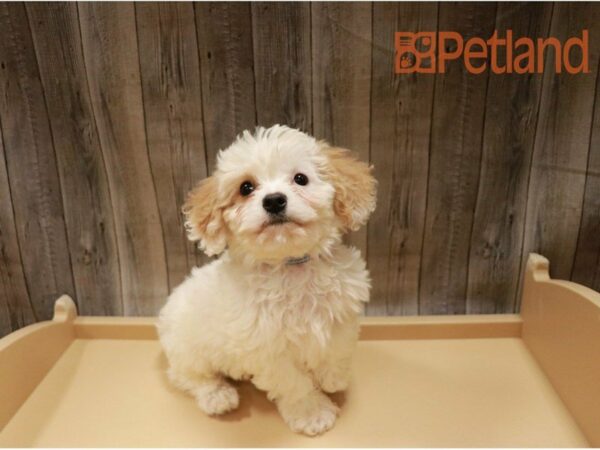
355,187
204,219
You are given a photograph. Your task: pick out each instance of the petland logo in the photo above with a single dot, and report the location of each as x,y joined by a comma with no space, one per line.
428,52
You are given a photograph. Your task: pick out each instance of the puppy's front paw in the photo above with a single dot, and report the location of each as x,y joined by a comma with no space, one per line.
332,380
217,398
312,415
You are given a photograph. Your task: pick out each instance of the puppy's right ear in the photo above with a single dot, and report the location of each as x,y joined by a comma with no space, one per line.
204,219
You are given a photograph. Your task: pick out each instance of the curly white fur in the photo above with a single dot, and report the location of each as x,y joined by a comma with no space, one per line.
291,329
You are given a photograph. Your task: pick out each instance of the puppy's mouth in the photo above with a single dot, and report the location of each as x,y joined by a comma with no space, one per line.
278,220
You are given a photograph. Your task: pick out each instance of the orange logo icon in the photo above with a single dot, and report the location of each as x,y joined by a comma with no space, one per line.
415,52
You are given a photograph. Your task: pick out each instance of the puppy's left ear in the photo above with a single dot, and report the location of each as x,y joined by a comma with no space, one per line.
355,187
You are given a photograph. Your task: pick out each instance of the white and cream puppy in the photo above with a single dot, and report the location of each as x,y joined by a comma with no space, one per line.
281,304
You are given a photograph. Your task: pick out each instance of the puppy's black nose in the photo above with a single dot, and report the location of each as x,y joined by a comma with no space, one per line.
275,203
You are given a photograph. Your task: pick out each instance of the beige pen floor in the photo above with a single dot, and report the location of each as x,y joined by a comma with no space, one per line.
451,392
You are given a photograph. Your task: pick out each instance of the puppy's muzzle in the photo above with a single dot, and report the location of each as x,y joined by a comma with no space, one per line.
275,203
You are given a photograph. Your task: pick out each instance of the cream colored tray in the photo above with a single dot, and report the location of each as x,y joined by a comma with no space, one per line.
507,380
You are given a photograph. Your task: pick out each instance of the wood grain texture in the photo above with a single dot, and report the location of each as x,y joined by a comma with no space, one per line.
225,46
558,172
586,269
84,184
341,89
111,57
173,109
16,310
31,164
400,126
509,130
110,113
458,112
282,64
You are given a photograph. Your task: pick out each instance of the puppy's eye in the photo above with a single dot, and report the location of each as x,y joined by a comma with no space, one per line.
246,188
301,179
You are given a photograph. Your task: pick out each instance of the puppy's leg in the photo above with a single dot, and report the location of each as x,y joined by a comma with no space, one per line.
213,394
333,372
216,396
303,407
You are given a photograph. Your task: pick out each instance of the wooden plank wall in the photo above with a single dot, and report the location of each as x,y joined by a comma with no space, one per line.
110,112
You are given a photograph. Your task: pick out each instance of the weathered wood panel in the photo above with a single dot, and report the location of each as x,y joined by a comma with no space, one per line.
282,64
341,88
511,109
173,108
15,306
86,197
111,57
31,164
586,269
225,46
558,172
458,111
109,113
400,127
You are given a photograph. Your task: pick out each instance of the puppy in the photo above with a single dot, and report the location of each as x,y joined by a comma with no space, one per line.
281,304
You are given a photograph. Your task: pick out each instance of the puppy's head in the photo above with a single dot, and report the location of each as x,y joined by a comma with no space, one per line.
277,194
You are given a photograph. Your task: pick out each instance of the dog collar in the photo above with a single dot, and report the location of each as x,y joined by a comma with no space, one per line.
297,261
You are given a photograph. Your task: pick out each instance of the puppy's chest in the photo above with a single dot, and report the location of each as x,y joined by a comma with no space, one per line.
303,303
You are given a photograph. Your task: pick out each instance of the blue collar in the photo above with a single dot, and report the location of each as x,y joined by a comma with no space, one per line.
297,261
